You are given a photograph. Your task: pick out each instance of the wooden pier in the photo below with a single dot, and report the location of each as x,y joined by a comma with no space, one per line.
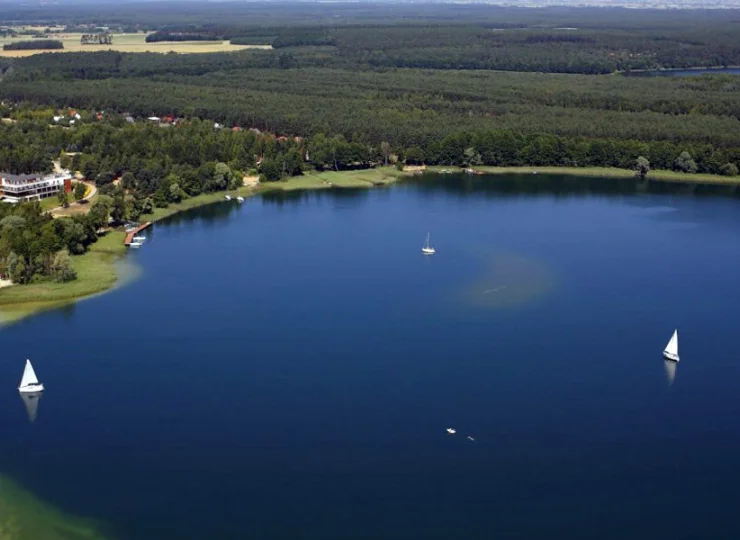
130,236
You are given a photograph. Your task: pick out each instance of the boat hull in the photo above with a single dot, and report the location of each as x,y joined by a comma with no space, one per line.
428,251
31,389
670,356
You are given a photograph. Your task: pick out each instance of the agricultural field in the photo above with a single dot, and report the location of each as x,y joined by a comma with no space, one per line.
127,43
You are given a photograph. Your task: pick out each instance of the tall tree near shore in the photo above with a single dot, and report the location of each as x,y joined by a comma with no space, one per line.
642,167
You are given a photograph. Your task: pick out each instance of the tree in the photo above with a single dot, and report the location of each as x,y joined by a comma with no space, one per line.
176,194
642,167
62,269
685,163
385,149
79,191
100,211
729,169
147,206
118,208
16,268
63,197
221,176
270,170
414,156
128,181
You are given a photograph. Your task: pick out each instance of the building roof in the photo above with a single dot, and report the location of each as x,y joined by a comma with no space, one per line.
18,177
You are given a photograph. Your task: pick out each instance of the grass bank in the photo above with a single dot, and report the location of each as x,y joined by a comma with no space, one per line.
23,517
605,172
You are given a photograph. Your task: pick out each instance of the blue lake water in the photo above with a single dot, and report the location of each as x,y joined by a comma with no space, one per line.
287,368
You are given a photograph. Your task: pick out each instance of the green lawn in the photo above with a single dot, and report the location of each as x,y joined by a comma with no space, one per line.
345,179
23,517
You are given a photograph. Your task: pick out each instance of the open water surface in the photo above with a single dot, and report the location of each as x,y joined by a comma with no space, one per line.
286,369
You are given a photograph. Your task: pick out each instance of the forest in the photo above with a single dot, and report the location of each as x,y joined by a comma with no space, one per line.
38,44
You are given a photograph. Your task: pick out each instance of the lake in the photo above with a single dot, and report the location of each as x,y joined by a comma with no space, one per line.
287,368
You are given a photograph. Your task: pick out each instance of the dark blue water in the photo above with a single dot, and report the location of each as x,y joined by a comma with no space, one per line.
685,72
287,368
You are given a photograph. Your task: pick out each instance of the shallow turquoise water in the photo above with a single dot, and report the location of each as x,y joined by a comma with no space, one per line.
287,368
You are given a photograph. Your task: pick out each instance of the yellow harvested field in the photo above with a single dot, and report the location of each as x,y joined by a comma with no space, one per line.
129,43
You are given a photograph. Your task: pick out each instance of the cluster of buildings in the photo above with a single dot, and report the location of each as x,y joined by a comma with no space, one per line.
28,187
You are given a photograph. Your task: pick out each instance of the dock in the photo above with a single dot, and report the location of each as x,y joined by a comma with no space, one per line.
130,236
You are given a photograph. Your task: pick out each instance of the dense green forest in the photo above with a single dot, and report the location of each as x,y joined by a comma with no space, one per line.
38,44
293,94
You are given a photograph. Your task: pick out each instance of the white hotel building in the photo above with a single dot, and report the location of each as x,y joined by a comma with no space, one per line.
29,187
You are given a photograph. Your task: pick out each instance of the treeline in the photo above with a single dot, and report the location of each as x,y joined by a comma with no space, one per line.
100,38
182,36
303,37
36,44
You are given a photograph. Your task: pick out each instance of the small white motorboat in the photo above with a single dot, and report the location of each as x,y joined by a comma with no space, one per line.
139,238
471,438
227,197
135,244
451,431
240,199
671,350
427,249
29,382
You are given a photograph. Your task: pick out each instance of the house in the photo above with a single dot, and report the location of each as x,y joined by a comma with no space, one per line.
28,187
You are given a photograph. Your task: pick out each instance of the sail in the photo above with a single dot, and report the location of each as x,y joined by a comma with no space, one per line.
29,375
672,347
426,244
31,401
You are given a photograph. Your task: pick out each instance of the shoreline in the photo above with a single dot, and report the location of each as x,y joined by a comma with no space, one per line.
658,175
100,269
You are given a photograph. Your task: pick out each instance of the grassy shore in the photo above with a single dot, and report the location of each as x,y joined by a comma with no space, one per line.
605,172
23,517
96,272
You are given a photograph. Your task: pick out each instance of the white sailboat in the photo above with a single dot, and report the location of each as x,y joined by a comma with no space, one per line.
29,382
671,350
427,249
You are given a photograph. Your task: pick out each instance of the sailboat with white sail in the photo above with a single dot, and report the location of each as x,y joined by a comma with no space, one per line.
671,350
29,382
428,249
